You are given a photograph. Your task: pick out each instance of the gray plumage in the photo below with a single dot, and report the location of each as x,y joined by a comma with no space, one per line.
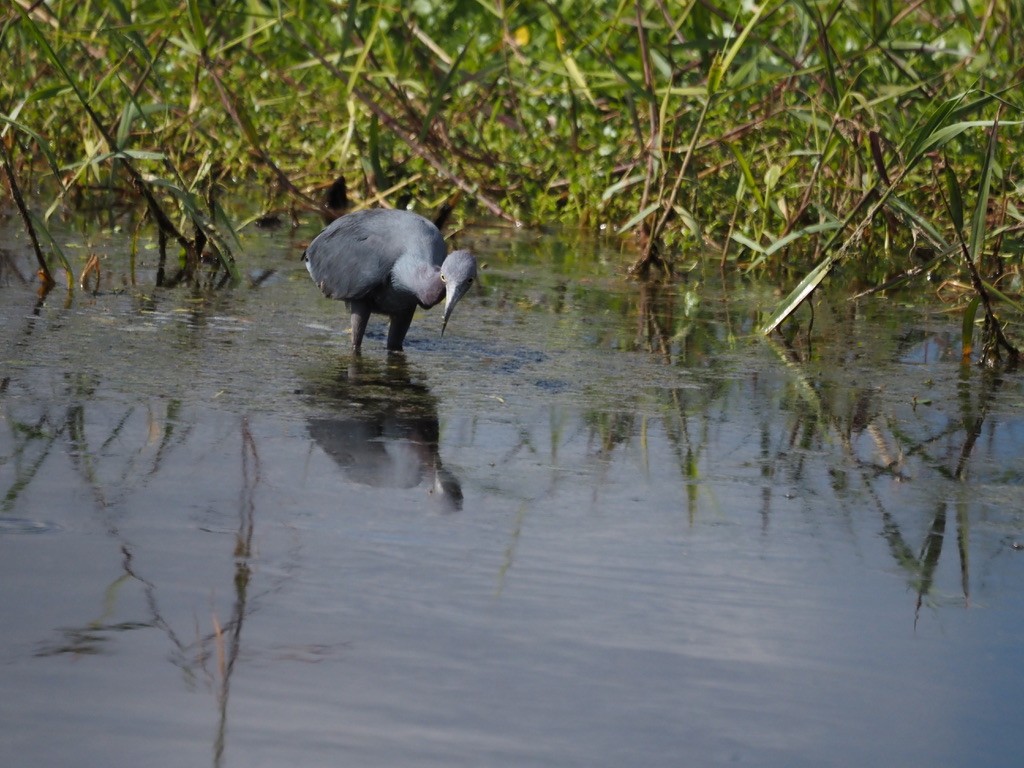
388,262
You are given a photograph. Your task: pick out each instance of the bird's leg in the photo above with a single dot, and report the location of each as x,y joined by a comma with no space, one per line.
360,317
399,327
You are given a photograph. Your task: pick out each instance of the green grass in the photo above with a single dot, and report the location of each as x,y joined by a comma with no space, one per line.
789,138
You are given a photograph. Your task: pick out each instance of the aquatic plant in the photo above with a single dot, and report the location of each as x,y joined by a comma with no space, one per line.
786,137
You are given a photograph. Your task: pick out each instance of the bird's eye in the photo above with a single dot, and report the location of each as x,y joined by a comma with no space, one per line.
470,281
443,278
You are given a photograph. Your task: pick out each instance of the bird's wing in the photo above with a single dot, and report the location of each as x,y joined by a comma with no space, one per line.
351,258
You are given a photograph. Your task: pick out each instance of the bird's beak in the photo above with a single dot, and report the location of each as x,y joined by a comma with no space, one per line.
453,293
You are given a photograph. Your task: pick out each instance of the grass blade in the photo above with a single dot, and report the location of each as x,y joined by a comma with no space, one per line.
722,64
638,217
798,294
980,218
956,198
40,142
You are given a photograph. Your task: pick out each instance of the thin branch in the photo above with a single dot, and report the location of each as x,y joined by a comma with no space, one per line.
44,271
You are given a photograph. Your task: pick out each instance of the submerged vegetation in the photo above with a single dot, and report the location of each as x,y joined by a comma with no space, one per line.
788,137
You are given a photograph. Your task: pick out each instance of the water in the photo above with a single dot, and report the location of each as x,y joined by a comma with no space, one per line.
595,525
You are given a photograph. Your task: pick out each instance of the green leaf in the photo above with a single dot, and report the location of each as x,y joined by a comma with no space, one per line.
42,143
967,329
993,291
748,175
945,135
980,218
638,217
576,75
133,111
742,239
798,294
723,62
51,54
198,27
956,199
620,185
814,229
925,227
141,154
42,229
913,148
441,92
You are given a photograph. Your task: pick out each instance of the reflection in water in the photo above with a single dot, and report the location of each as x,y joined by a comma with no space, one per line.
884,444
694,542
382,429
229,647
113,455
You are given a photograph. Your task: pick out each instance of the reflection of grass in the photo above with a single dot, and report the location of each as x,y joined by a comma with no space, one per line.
90,640
25,435
77,642
828,438
223,642
510,551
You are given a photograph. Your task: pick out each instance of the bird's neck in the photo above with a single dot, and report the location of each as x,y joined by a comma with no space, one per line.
422,280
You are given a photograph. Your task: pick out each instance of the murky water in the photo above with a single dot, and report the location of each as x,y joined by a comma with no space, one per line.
595,525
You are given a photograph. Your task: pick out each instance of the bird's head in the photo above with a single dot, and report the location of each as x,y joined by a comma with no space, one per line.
457,273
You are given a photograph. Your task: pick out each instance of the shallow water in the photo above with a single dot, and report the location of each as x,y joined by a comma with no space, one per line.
594,525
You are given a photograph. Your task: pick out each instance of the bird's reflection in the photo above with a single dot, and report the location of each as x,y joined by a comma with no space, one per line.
380,426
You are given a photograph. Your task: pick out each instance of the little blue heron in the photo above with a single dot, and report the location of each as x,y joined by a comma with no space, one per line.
389,262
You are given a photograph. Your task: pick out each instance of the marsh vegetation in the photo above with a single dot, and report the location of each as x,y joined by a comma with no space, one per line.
786,139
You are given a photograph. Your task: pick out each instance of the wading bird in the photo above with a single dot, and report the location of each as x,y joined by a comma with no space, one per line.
389,262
